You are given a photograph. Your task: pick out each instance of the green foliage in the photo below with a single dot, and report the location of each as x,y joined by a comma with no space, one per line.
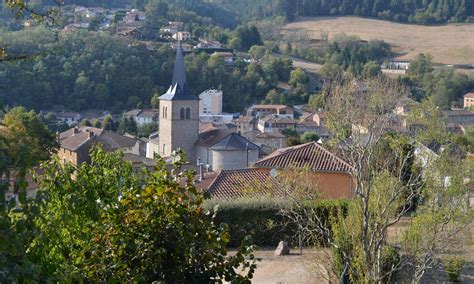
263,220
309,137
127,125
24,143
422,12
37,142
147,129
452,267
444,86
109,223
391,262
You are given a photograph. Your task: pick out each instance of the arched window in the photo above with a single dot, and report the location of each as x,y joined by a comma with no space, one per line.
164,149
166,112
188,113
163,112
181,113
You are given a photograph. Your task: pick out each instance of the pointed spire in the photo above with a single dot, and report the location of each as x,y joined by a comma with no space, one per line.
179,89
179,73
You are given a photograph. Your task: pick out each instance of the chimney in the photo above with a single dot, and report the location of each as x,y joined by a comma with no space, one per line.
75,131
201,170
90,134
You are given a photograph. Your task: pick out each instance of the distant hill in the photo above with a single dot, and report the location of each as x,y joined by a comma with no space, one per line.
413,11
448,44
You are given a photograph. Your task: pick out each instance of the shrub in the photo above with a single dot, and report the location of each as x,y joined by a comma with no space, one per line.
452,267
263,220
390,259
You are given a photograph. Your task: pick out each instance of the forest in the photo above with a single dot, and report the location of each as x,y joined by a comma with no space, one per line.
413,11
229,13
84,70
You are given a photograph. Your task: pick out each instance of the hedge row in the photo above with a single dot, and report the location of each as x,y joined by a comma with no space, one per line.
262,219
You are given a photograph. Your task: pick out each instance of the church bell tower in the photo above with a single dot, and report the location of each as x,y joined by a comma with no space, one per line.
179,114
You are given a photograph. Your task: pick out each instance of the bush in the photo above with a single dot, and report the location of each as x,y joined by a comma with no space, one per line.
262,219
452,267
390,260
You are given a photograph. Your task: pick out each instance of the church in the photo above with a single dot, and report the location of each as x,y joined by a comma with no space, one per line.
218,148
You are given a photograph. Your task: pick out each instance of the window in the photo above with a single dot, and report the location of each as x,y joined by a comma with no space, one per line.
164,149
181,113
188,113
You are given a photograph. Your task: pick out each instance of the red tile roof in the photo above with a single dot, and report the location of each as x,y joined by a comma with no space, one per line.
244,183
310,155
469,95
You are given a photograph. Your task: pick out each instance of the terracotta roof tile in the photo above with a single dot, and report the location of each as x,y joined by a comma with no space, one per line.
310,155
244,183
469,95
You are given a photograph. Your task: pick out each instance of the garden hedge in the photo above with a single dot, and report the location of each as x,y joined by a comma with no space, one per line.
262,219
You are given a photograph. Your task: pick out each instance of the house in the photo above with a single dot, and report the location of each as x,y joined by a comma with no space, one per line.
273,124
227,56
275,140
245,124
139,162
76,142
152,146
208,44
276,110
396,67
171,30
255,183
469,100
70,118
179,25
182,36
459,117
210,107
210,102
217,147
134,16
331,174
221,149
125,31
31,186
143,116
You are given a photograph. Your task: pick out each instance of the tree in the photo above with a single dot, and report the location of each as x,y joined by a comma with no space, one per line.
155,101
371,69
108,123
127,227
388,182
37,142
24,142
257,52
309,137
419,66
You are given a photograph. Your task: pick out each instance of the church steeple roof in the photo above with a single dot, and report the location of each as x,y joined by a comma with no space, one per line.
179,89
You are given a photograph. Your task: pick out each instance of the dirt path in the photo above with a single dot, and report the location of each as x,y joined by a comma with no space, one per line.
293,268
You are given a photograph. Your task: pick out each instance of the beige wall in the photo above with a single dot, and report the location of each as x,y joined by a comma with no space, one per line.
468,102
176,133
333,185
212,101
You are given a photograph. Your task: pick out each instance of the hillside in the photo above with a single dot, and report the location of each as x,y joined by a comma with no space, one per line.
448,44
